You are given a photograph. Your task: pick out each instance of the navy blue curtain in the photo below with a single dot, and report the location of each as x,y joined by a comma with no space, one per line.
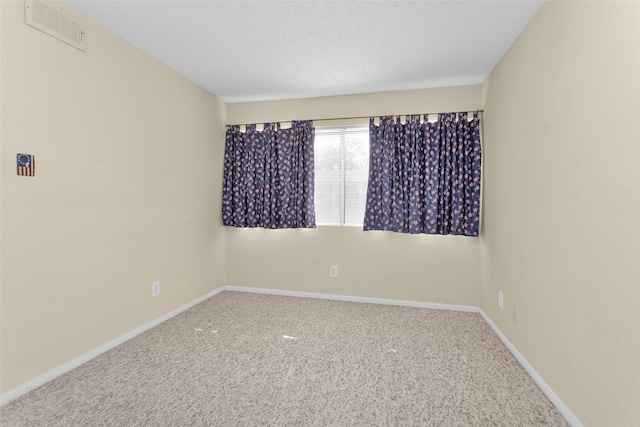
268,176
425,177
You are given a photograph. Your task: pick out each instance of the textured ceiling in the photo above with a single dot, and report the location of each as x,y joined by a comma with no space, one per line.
267,50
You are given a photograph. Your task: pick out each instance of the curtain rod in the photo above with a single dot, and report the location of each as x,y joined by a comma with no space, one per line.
360,117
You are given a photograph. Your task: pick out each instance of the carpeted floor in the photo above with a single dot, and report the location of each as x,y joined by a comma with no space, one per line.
242,359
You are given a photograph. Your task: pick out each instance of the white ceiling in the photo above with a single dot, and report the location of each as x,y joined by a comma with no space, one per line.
267,50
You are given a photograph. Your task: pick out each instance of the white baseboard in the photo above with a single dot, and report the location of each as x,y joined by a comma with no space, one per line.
555,400
551,395
368,300
54,373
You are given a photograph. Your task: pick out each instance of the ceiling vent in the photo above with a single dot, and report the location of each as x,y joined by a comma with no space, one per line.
48,18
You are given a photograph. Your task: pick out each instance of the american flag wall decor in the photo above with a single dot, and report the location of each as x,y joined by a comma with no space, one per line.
26,164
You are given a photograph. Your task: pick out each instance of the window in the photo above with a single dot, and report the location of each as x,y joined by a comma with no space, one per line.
341,174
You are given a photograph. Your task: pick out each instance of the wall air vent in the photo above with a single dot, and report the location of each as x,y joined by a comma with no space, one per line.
48,18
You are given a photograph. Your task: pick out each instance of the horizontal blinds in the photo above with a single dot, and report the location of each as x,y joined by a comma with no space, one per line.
341,173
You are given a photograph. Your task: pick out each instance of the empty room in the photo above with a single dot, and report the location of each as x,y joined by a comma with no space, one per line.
307,213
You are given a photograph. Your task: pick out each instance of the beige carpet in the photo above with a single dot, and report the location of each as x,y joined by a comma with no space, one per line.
242,359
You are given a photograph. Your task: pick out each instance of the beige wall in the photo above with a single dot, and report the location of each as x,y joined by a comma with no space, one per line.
458,98
127,191
438,269
561,232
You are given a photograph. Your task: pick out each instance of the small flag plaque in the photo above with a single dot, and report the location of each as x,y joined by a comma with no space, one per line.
26,164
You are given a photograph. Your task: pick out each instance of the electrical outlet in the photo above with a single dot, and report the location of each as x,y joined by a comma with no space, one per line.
333,271
155,289
500,299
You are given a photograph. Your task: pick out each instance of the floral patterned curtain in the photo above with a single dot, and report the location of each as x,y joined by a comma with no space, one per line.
425,177
268,176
